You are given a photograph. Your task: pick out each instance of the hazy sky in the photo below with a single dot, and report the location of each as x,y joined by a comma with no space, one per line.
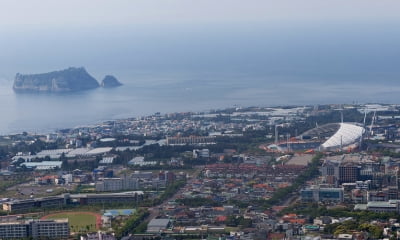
244,52
322,37
22,14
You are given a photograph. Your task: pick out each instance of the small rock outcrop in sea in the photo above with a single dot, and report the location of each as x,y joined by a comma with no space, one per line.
68,80
110,82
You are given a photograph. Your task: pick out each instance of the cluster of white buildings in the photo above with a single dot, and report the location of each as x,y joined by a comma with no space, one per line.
51,159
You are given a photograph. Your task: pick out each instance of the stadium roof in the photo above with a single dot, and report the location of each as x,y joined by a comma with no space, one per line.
331,136
347,134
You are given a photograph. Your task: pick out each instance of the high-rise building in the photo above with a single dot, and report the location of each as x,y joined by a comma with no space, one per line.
348,172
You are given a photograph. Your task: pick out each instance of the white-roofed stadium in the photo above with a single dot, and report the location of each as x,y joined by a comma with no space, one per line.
336,135
347,135
331,136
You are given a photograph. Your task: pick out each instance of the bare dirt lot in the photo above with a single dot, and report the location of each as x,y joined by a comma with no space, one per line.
302,159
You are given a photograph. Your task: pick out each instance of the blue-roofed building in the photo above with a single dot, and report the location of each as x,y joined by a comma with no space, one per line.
119,212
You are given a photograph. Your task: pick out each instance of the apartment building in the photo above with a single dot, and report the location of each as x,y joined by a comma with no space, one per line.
36,229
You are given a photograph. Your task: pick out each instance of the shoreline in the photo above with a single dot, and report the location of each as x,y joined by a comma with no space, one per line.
103,121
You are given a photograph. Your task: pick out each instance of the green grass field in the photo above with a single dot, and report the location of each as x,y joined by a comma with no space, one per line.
78,222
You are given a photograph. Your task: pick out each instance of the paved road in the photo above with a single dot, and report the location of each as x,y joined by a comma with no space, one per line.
155,211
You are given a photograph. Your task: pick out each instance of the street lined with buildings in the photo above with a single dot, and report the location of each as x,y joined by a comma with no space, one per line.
243,173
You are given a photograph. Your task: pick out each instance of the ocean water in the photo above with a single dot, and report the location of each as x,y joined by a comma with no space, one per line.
47,112
197,69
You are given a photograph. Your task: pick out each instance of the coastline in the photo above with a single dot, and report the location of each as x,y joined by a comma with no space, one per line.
263,111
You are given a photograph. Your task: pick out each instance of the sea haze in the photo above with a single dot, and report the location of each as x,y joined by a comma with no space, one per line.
196,68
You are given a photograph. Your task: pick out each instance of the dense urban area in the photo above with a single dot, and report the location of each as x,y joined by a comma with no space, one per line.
292,172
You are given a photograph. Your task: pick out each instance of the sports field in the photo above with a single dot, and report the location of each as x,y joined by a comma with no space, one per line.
79,221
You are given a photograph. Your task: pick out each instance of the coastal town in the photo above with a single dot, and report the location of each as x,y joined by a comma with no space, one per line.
292,172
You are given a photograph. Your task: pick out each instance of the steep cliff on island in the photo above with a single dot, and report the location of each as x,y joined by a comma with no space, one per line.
68,80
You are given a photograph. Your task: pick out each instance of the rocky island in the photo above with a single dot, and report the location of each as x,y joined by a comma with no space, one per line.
69,80
110,81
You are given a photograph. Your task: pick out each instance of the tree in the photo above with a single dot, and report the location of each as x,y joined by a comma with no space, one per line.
375,231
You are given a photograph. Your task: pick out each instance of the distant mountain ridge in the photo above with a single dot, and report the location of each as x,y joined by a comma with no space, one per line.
68,80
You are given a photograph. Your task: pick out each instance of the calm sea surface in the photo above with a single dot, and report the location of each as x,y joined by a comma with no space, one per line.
176,69
46,112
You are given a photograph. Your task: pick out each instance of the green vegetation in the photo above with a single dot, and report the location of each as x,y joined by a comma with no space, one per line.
235,221
313,210
169,192
78,221
360,219
172,189
374,231
249,142
133,224
7,183
284,193
142,227
84,188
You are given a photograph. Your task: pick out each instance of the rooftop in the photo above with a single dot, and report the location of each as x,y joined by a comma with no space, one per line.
162,222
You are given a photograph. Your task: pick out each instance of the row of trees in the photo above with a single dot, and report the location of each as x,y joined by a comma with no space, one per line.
373,231
131,224
169,191
313,210
308,174
235,221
